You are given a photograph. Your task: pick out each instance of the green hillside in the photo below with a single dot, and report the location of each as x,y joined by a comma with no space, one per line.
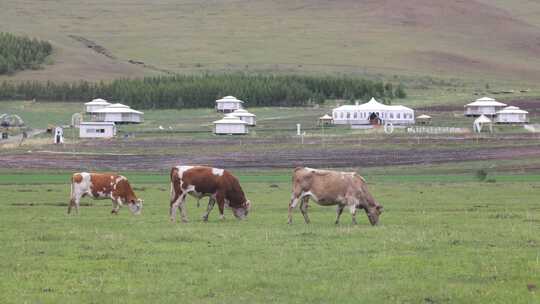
494,40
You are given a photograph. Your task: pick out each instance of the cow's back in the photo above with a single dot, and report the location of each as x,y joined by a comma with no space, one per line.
326,185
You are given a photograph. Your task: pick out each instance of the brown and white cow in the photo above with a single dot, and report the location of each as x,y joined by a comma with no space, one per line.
329,188
199,181
103,186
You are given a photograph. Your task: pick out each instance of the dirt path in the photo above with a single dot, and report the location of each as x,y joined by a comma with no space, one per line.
269,159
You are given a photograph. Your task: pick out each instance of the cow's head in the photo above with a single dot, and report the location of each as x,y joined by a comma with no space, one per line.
242,211
373,213
135,205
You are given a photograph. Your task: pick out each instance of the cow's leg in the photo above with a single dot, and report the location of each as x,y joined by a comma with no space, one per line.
352,208
175,202
211,203
295,197
339,211
220,198
182,206
304,208
71,204
116,203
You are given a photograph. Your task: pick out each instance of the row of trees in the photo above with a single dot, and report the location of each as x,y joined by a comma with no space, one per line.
181,91
21,53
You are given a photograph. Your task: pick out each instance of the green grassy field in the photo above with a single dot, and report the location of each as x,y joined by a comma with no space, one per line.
439,241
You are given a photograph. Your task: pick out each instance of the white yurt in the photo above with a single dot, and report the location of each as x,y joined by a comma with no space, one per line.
482,123
97,129
118,113
512,115
483,106
230,125
96,104
373,113
245,116
228,104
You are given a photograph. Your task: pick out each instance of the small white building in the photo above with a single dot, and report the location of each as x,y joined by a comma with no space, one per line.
230,125
245,116
483,106
228,104
512,115
118,113
96,104
372,113
95,129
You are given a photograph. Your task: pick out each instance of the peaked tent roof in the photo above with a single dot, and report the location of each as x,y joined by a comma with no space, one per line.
325,117
423,116
372,105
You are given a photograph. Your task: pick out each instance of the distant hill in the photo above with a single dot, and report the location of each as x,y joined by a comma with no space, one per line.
491,39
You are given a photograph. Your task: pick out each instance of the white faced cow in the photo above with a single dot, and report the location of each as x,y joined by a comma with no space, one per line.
103,186
200,181
329,188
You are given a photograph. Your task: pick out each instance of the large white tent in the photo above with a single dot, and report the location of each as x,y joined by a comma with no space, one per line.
118,113
228,104
483,106
373,112
512,115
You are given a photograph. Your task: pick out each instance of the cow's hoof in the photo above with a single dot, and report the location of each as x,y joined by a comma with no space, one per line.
185,221
205,219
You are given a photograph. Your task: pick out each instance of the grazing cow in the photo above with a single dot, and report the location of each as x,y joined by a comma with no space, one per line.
102,186
200,181
330,188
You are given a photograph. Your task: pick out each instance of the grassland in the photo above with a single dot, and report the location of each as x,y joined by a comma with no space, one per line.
488,40
445,241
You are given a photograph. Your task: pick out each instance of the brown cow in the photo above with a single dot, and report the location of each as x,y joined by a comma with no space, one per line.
200,181
102,186
329,188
